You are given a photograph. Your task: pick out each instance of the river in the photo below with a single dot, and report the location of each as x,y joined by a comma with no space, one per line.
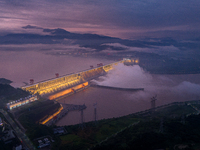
114,103
21,66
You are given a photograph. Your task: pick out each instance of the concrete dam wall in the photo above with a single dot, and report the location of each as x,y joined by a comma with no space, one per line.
68,81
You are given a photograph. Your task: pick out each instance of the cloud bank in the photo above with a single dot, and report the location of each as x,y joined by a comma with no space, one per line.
124,19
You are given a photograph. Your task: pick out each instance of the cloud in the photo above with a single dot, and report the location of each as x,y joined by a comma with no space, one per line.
187,87
125,19
104,44
53,49
31,27
125,76
152,48
116,45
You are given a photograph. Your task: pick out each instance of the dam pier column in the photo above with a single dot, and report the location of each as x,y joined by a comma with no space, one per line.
65,82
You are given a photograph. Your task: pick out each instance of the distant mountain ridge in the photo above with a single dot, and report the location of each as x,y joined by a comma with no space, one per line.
94,41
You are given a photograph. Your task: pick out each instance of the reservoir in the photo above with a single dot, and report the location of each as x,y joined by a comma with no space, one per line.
21,66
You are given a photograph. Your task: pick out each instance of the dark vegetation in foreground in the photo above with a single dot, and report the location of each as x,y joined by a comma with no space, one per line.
31,115
165,129
173,126
37,112
148,135
13,142
170,127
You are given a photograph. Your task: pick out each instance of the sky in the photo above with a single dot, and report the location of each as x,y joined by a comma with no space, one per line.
168,28
126,19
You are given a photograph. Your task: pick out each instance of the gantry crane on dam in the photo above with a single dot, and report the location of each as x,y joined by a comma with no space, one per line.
71,82
68,81
61,86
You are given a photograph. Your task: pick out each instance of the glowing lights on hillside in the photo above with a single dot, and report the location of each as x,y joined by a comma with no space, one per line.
52,116
21,101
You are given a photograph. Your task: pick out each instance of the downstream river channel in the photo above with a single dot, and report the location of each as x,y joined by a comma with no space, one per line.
114,103
21,66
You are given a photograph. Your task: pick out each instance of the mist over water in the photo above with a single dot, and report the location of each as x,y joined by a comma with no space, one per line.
126,76
115,103
21,66
167,87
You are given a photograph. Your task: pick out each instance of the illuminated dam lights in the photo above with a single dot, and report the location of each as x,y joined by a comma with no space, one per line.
68,91
56,84
52,88
22,101
51,117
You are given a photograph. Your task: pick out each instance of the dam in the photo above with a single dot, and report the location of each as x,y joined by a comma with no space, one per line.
60,87
70,82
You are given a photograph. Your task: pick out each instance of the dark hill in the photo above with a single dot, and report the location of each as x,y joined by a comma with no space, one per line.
5,81
10,93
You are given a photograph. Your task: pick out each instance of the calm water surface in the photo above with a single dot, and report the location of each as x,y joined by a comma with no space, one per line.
115,103
25,65
21,66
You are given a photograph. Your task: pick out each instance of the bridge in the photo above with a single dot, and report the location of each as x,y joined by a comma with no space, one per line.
70,82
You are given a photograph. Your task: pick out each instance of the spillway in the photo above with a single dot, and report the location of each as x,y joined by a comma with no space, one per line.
68,81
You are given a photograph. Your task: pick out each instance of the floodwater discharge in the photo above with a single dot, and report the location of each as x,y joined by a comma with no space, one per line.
21,66
114,103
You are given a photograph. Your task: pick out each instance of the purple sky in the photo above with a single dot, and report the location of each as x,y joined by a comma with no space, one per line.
124,18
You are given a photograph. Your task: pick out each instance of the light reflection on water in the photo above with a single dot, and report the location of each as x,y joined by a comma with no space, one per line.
115,103
110,103
22,66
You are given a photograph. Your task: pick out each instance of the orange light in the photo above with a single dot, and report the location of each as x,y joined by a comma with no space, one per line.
55,114
67,91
